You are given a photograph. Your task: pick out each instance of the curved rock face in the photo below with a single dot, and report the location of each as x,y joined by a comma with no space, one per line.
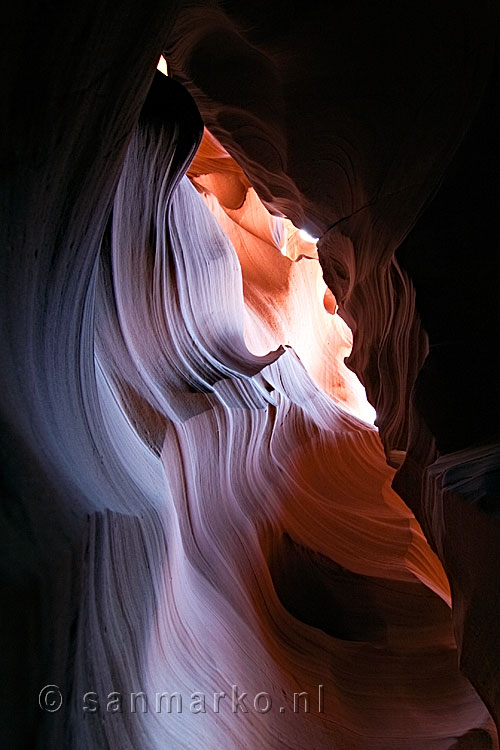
202,541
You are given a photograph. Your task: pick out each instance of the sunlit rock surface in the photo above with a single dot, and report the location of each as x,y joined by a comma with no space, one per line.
195,499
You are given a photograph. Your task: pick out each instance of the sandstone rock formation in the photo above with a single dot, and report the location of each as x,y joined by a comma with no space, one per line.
195,497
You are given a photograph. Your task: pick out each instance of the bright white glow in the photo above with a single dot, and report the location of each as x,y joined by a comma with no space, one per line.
367,413
162,66
307,237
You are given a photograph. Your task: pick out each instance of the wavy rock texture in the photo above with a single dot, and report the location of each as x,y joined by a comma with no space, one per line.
281,294
265,478
195,498
357,148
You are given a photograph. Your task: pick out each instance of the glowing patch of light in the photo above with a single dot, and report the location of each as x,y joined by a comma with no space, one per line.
367,412
162,66
307,237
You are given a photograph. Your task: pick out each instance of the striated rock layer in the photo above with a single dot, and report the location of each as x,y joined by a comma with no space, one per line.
377,131
195,499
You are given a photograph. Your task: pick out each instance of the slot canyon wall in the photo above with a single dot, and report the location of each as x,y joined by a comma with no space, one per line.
195,500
